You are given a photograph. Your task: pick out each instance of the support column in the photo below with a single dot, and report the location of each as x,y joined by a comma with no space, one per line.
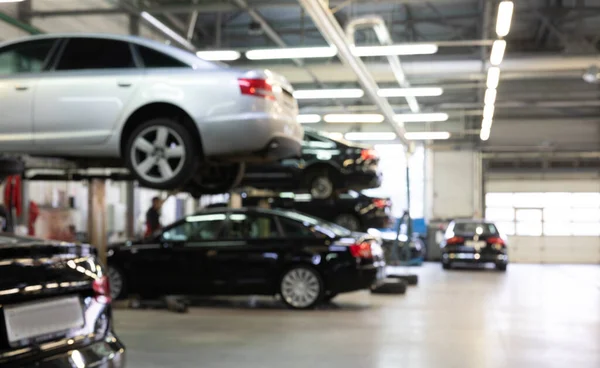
24,218
97,216
130,209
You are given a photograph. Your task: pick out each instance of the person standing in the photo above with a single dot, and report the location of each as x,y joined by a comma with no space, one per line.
153,217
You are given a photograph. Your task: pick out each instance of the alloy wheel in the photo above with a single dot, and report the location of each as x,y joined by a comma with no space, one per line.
116,282
158,154
321,187
300,287
350,222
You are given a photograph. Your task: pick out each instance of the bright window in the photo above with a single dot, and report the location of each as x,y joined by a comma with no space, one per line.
549,214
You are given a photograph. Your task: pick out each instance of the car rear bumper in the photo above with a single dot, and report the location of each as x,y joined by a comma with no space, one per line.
358,180
470,257
255,136
365,277
107,353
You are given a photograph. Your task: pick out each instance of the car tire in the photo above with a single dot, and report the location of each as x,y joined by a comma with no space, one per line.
391,286
295,285
409,279
501,267
349,221
216,178
320,183
162,154
117,283
10,166
446,266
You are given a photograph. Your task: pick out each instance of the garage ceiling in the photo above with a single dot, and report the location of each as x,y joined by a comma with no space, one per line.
543,102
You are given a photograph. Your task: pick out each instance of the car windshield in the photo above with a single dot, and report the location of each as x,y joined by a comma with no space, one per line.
480,228
325,227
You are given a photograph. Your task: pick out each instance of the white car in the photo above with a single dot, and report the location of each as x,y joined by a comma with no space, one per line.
169,116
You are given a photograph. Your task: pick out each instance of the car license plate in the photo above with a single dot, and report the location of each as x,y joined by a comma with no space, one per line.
475,244
28,320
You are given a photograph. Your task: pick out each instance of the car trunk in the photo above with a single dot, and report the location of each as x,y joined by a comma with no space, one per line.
47,298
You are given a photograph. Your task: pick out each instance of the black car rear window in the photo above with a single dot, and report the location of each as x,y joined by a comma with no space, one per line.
475,228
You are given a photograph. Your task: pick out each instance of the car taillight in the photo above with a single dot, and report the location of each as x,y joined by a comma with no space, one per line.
496,241
380,203
368,154
256,87
361,250
101,288
455,240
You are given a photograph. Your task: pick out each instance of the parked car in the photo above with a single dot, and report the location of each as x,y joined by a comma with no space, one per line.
352,210
248,251
475,242
327,166
169,116
54,306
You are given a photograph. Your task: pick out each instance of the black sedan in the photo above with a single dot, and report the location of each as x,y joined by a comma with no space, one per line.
327,166
473,242
54,306
248,251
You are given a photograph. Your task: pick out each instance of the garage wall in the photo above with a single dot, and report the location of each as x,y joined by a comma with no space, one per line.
456,181
554,194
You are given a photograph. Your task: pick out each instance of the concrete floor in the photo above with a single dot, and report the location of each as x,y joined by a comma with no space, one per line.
532,316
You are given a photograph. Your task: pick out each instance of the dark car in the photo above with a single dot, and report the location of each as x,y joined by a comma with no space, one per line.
248,251
54,306
352,210
474,242
327,166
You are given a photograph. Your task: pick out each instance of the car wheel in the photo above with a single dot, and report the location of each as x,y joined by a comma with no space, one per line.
116,283
301,287
320,184
390,287
501,267
161,154
212,178
348,221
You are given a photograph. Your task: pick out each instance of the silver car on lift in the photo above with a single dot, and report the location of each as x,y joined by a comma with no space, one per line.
169,116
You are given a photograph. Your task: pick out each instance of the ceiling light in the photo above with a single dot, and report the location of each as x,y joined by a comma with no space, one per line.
410,92
488,112
292,53
353,118
497,52
387,50
11,1
329,93
486,123
219,55
370,136
484,135
421,118
422,136
493,77
308,118
505,11
490,96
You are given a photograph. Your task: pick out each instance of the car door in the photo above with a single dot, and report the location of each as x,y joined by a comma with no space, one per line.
248,260
185,245
21,66
84,98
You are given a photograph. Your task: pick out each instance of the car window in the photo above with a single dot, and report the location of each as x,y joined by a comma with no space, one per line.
475,228
252,226
295,229
95,53
324,227
196,228
156,59
25,57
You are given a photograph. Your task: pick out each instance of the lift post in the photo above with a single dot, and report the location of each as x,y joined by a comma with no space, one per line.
97,216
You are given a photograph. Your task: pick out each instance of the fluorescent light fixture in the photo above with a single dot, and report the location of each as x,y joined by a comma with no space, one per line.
354,118
484,135
497,52
486,123
490,96
410,92
334,135
292,53
421,118
308,118
11,1
493,77
219,55
488,112
370,136
422,136
328,93
166,30
505,11
387,50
